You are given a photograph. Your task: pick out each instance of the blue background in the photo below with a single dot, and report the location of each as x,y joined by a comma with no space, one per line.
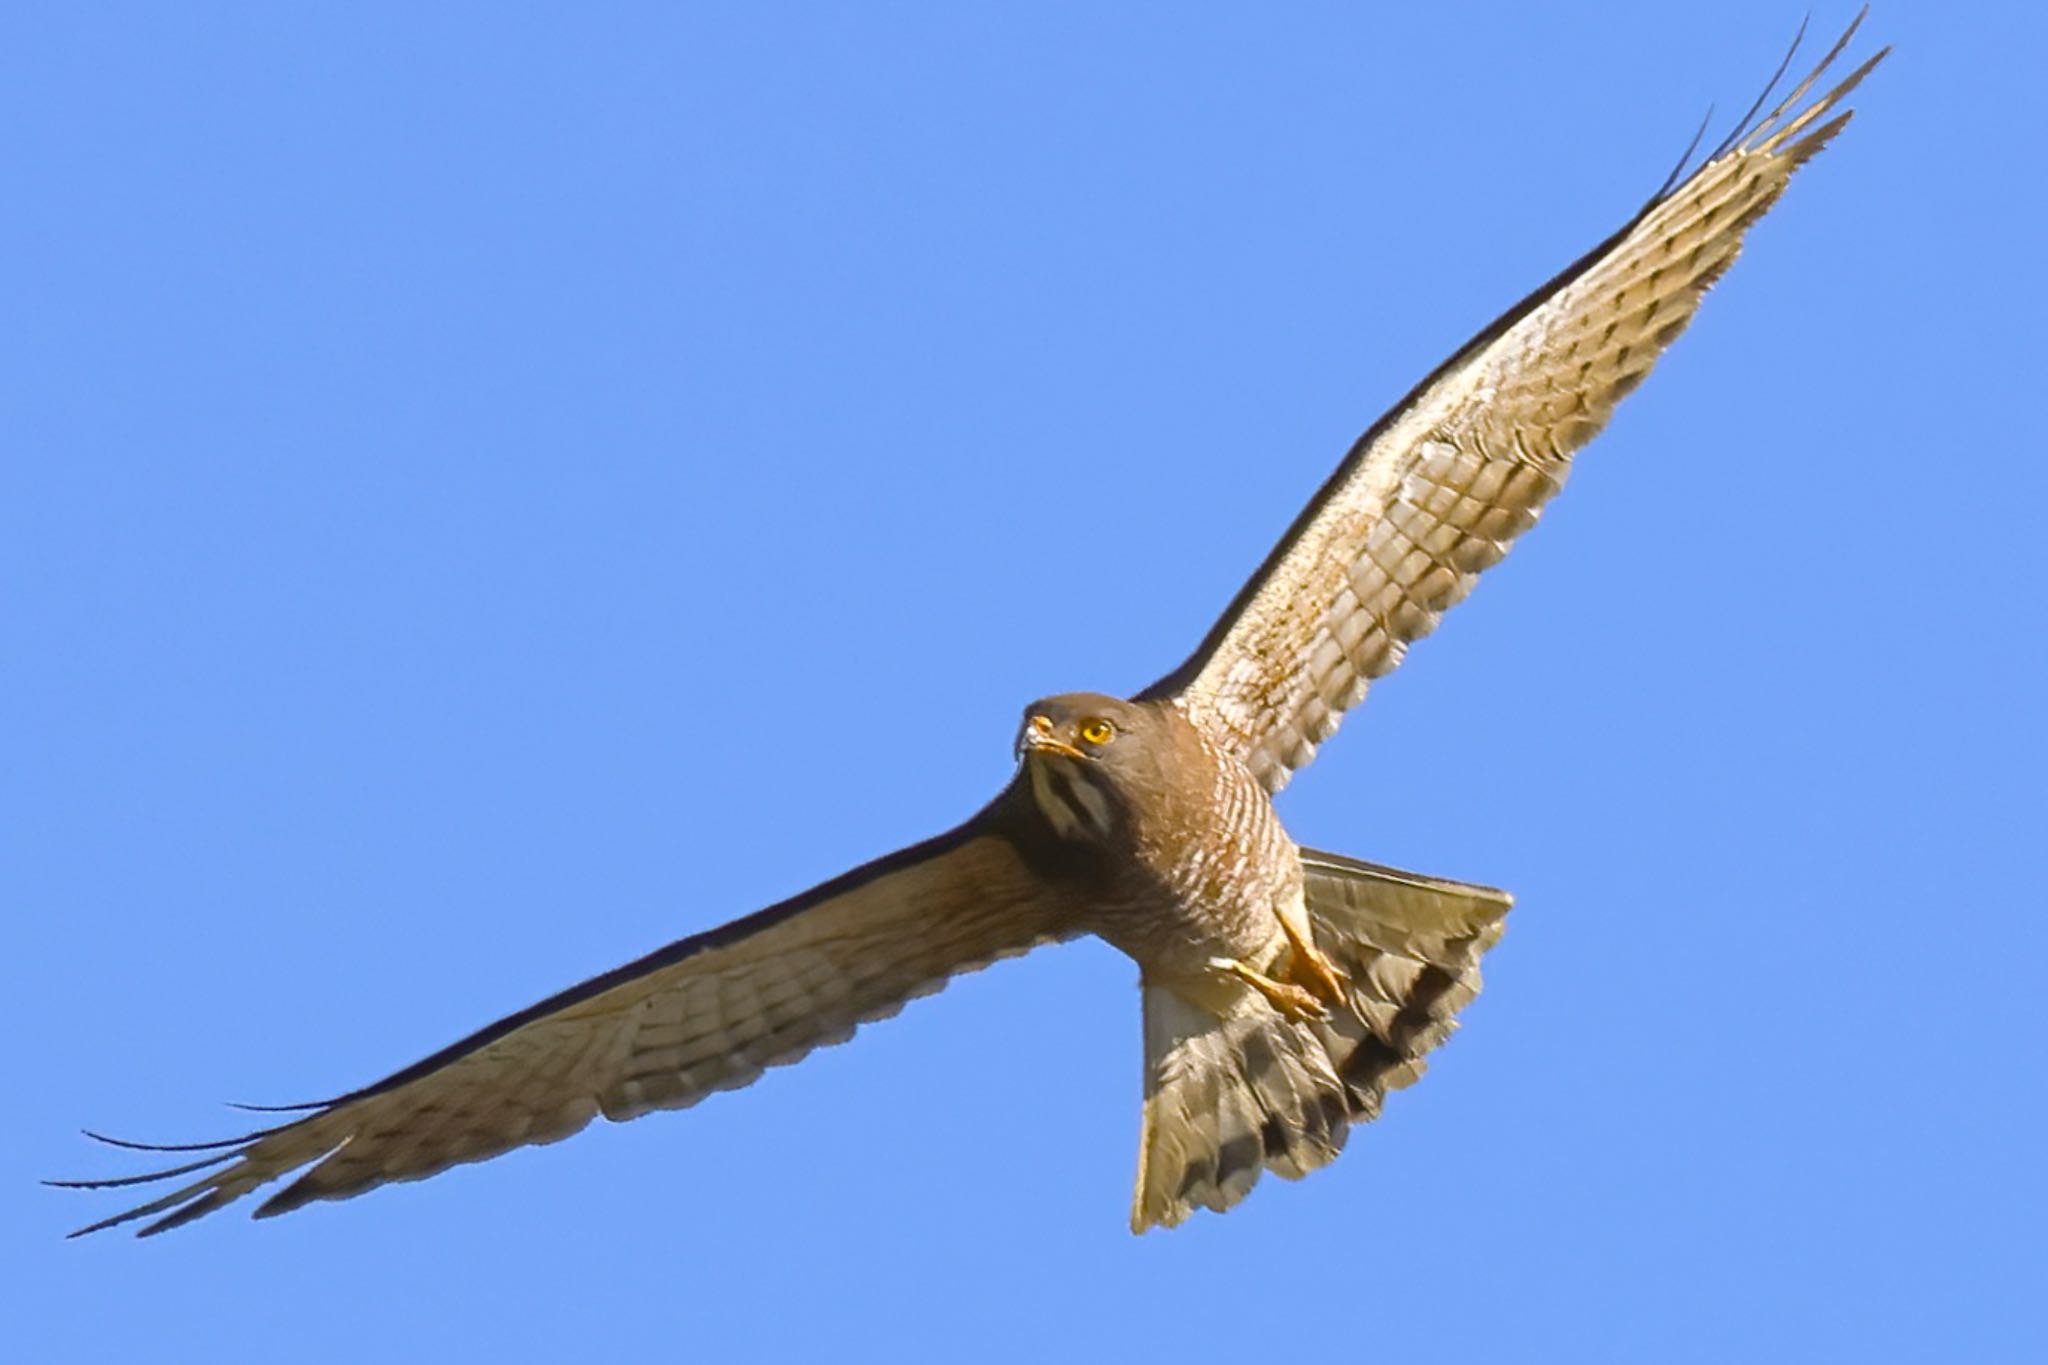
490,490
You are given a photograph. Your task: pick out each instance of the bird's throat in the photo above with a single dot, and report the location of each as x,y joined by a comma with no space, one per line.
1071,799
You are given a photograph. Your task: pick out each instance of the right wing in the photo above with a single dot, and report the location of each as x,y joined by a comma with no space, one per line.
701,1015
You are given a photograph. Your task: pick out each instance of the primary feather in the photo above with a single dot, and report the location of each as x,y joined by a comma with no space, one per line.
1427,499
1434,493
705,1014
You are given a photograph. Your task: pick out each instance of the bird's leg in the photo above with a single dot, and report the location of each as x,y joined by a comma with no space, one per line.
1312,968
1291,1000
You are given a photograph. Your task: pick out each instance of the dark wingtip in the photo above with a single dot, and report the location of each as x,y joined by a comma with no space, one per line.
1745,124
148,1178
131,1145
118,1219
1677,175
198,1208
282,1108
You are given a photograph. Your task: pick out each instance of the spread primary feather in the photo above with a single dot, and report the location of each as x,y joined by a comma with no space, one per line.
1286,992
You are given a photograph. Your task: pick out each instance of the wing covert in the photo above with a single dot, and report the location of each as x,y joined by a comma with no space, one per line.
704,1014
1434,493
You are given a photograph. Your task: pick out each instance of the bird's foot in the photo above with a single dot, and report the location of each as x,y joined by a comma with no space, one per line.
1291,1000
1313,969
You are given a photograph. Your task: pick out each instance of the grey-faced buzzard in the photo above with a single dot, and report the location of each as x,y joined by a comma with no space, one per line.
1286,991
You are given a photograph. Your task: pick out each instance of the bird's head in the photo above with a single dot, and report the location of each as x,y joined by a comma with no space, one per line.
1085,756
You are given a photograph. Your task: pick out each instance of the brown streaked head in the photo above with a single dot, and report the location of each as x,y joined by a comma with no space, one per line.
1078,752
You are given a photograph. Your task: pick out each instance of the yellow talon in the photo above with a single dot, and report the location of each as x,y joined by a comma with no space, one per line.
1291,1000
1310,967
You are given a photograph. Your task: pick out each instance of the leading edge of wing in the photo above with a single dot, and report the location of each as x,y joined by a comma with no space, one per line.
723,935
1177,681
985,823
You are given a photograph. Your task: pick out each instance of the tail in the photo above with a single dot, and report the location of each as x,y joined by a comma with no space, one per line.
1234,1087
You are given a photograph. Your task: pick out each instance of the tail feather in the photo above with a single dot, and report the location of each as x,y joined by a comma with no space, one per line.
1234,1087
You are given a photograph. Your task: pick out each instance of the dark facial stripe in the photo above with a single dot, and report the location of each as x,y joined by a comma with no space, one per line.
1074,801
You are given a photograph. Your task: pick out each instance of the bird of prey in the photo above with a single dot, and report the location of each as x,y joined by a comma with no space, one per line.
1285,991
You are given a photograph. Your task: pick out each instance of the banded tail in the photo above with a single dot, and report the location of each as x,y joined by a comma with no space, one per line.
1233,1087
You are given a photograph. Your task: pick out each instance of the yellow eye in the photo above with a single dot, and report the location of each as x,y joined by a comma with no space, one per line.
1096,730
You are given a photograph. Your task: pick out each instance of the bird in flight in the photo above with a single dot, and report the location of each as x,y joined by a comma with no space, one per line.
1285,991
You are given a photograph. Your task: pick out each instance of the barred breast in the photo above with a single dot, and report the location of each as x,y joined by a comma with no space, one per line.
1206,863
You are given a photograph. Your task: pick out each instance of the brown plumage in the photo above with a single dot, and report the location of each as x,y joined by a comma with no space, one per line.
1286,991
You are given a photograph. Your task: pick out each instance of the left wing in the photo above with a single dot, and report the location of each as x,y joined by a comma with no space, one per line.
1435,491
702,1015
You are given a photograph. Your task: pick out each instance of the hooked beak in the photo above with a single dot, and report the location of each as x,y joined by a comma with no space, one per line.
1037,738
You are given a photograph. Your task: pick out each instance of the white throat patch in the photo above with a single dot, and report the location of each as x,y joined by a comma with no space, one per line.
1073,803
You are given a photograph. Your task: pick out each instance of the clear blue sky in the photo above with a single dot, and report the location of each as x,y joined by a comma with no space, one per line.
490,491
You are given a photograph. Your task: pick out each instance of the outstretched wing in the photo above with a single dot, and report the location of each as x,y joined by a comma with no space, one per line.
705,1014
1435,491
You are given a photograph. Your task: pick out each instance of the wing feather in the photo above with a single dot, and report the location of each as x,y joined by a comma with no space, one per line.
702,1015
1436,491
